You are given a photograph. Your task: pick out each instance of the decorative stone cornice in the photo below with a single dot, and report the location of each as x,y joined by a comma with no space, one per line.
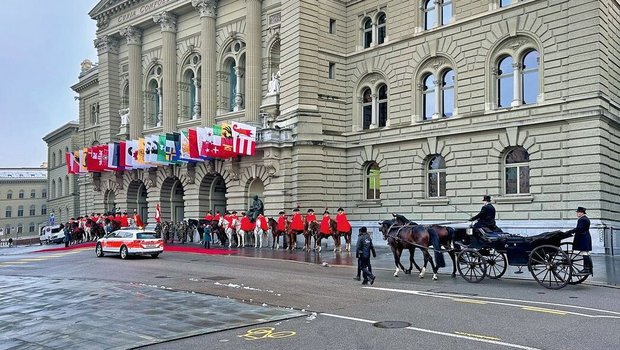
206,8
133,35
167,21
106,44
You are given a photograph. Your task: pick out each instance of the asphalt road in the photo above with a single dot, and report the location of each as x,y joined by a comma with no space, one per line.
314,306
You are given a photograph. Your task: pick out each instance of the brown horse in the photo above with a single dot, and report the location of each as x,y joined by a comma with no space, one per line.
273,226
333,233
311,231
441,236
401,237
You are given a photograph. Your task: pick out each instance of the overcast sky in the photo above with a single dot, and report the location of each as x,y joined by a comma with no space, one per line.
42,43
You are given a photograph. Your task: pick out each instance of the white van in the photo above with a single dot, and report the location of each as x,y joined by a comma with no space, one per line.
51,234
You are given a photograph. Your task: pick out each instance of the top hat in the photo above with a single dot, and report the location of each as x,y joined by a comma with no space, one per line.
281,212
296,209
486,198
234,212
326,211
310,211
340,209
581,210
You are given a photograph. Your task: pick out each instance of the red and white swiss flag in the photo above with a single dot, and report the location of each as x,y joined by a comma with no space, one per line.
244,139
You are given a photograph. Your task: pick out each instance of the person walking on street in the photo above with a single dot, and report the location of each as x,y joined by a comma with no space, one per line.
583,240
364,248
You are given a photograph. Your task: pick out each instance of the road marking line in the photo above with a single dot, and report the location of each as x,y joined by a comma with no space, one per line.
500,301
540,309
32,259
472,338
470,301
477,336
17,262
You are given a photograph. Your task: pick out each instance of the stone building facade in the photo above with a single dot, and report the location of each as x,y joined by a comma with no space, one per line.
23,202
62,199
416,107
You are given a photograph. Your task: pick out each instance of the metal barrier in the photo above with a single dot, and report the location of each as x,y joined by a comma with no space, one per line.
611,239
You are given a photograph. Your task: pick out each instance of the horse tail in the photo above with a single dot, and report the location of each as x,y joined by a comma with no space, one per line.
434,237
451,234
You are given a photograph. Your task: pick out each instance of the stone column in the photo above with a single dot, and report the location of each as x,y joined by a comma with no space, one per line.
516,85
253,60
136,114
436,115
168,22
109,89
208,59
374,113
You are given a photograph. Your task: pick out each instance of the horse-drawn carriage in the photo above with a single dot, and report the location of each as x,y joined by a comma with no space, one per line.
553,264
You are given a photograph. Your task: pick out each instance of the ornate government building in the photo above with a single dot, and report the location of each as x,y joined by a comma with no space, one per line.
416,107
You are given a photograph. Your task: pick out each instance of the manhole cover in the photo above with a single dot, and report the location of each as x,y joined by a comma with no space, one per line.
392,324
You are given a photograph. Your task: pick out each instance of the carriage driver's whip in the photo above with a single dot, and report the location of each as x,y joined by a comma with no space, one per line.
459,210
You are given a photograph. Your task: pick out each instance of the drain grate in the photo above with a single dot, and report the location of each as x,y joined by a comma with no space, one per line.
392,324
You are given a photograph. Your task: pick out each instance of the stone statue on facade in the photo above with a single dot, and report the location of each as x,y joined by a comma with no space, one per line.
86,65
124,116
257,208
274,85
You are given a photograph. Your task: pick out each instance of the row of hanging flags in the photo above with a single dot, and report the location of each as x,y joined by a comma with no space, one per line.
187,146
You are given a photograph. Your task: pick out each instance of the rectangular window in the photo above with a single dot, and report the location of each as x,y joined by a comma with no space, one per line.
44,211
332,71
504,3
33,194
332,26
20,212
44,194
32,212
21,195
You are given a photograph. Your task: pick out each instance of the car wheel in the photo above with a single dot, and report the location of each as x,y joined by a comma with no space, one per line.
154,255
99,250
124,252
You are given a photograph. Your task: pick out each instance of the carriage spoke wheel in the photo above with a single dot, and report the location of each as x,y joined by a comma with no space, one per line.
550,267
472,265
577,264
497,264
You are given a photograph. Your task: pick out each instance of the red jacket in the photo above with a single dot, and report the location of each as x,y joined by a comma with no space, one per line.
297,223
310,218
138,220
124,221
230,219
246,224
209,217
325,227
342,223
217,217
262,222
281,223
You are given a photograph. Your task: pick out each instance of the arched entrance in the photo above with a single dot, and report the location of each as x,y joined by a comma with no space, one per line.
172,203
212,194
136,199
109,201
255,188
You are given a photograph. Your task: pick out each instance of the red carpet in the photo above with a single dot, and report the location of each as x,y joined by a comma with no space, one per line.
62,247
167,248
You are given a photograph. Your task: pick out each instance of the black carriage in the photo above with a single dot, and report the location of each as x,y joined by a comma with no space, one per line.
553,264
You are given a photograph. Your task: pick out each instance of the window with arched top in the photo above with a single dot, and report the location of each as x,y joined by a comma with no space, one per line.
9,195
94,114
20,228
8,212
232,78
366,108
33,210
20,211
383,105
53,159
447,93
67,187
517,171
21,194
367,32
428,96
7,229
189,88
125,96
505,82
31,227
53,188
529,77
429,14
381,28
33,194
59,187
44,193
372,183
446,12
44,209
153,98
436,170
505,3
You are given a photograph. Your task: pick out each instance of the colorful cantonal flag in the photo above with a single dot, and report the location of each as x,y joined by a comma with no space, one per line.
69,162
150,149
103,157
244,139
83,156
170,148
192,136
201,141
122,155
227,141
212,143
176,137
141,151
131,153
185,146
161,150
111,154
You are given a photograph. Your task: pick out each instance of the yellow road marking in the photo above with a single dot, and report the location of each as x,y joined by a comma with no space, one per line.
470,301
477,336
265,333
540,309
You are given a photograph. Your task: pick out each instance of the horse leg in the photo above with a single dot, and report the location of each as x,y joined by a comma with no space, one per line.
427,258
453,257
396,261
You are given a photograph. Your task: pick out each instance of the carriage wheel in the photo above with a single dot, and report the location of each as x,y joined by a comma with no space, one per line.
550,267
577,264
497,264
472,265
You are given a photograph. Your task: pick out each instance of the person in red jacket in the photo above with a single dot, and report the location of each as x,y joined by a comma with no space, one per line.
281,230
245,229
297,227
344,229
137,219
325,229
260,231
217,216
311,227
209,216
124,220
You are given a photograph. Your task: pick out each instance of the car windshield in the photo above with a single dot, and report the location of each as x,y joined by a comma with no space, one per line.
145,236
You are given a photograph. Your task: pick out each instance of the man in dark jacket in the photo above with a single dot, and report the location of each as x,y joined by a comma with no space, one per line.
364,248
582,240
486,216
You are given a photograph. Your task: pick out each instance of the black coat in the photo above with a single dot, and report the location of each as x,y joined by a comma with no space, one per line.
486,216
365,247
582,240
